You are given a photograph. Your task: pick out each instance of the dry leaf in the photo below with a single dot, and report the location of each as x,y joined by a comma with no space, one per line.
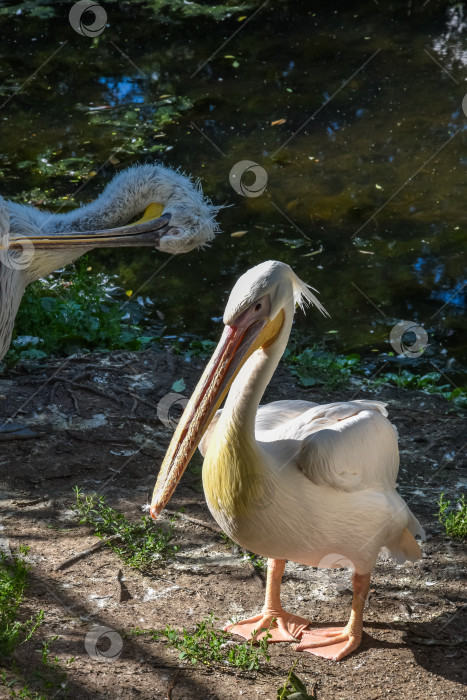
366,252
238,234
278,122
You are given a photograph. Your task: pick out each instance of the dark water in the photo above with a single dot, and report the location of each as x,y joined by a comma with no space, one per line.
366,179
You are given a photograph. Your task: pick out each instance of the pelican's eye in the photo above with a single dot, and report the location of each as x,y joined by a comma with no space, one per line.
257,311
261,307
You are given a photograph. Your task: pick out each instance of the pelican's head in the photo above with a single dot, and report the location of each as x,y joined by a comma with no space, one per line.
265,290
253,319
190,216
172,213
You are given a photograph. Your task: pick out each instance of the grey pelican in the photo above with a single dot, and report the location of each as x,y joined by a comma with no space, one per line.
175,218
315,484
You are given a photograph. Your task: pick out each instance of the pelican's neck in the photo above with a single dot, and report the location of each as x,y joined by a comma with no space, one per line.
239,413
12,286
125,197
234,477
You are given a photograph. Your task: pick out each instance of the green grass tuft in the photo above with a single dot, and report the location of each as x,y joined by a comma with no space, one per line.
13,584
50,677
140,544
214,647
453,518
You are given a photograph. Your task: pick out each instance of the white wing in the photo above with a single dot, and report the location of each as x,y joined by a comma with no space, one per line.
278,413
348,446
268,417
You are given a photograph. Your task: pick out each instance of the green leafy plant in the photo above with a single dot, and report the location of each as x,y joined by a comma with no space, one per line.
51,674
427,382
197,348
80,311
16,687
453,518
13,584
316,366
294,688
50,677
139,544
258,562
210,646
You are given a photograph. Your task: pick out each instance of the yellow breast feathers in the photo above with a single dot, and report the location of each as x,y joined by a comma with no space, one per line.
234,479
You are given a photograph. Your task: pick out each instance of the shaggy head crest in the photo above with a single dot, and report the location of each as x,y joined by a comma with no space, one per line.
276,279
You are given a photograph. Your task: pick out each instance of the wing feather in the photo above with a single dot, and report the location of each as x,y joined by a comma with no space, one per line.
350,446
277,413
268,417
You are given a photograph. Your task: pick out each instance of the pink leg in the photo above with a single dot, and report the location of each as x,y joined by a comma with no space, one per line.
335,643
283,626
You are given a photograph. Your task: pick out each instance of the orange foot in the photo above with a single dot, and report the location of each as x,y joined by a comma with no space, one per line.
331,643
283,627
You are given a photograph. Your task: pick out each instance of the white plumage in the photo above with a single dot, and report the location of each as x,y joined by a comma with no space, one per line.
315,484
342,460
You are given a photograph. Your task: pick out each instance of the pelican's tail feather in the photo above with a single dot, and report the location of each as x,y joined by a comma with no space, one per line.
407,549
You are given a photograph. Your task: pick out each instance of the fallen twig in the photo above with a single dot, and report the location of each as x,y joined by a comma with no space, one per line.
76,557
83,387
171,684
74,399
26,504
195,521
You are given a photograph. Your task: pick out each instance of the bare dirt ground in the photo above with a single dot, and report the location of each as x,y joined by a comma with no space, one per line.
101,431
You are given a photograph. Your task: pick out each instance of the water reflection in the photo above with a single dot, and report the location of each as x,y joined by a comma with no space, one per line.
122,90
365,158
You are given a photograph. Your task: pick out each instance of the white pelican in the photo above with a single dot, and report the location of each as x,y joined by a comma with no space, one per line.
290,480
176,218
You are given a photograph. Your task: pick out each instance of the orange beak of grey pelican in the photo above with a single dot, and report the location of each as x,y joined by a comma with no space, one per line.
234,348
145,232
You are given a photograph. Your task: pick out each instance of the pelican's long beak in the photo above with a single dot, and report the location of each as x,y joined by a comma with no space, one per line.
234,348
147,231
